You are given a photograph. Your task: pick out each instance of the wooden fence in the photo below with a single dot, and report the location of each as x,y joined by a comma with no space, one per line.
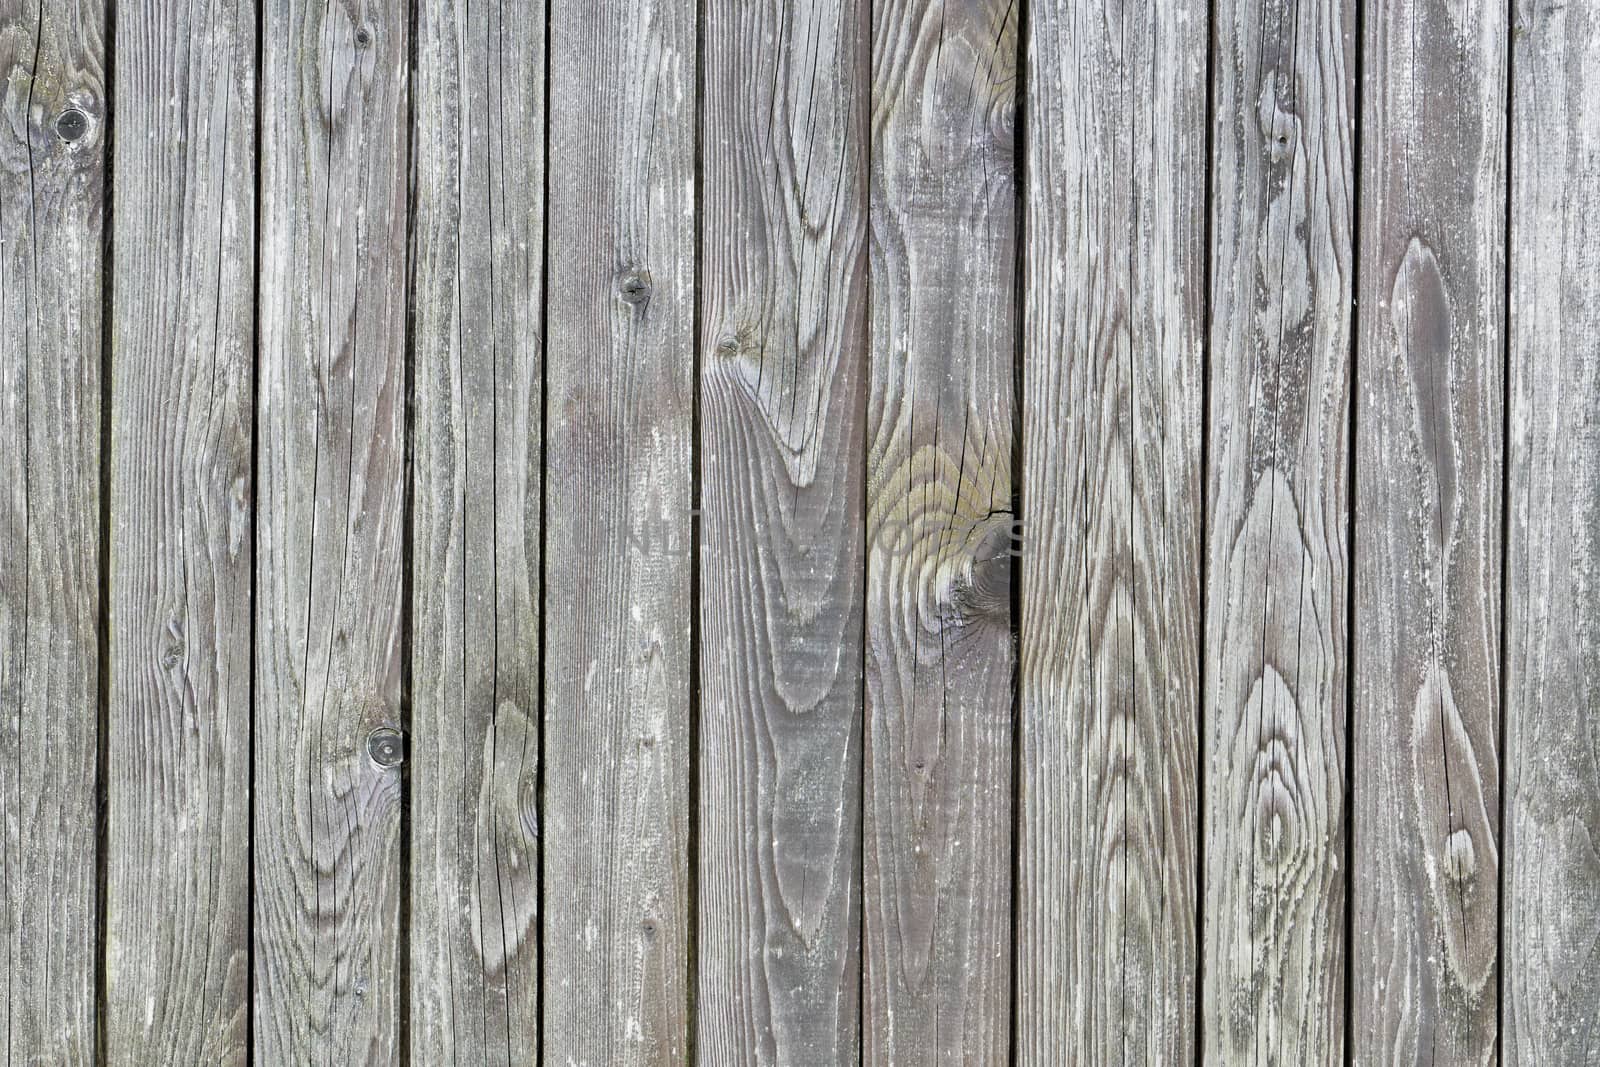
799,532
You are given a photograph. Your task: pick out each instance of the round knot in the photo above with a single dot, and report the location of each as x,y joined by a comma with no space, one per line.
1460,858
633,287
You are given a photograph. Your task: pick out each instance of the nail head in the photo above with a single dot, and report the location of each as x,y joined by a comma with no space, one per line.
386,747
72,124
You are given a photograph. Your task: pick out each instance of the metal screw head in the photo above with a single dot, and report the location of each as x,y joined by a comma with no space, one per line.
387,747
72,124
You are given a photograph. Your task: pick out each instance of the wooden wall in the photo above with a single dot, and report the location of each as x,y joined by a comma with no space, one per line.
799,532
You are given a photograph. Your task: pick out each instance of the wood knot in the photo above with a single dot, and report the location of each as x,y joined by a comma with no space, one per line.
172,654
386,747
984,589
1280,126
1003,120
736,351
633,288
1460,858
998,136
72,124
363,37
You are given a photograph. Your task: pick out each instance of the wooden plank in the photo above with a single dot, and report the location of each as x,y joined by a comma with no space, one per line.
1551,917
783,398
1110,625
332,393
1278,495
479,240
1426,651
181,520
618,472
52,174
937,868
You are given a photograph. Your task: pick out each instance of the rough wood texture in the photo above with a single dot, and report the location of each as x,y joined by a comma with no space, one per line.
479,235
1426,652
182,358
52,152
1551,917
329,544
618,532
937,868
1278,492
1110,626
783,404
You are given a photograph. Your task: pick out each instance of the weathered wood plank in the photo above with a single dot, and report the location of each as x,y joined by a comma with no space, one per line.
183,355
479,242
937,867
618,468
1426,652
1110,625
330,429
1551,921
783,405
1278,492
52,152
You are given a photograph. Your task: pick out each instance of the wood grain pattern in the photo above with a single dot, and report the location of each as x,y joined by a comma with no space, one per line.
1550,1011
1278,492
1426,652
479,236
330,436
181,520
783,399
52,177
619,532
506,542
1110,625
937,799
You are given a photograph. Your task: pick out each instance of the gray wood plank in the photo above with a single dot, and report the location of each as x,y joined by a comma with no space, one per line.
1110,610
1426,646
1551,917
330,433
783,405
479,242
937,866
181,520
52,152
618,470
1273,734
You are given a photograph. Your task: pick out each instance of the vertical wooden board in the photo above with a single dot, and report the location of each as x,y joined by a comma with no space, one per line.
937,885
182,358
1275,700
618,470
1110,625
330,435
1551,919
52,151
1426,644
479,245
783,399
